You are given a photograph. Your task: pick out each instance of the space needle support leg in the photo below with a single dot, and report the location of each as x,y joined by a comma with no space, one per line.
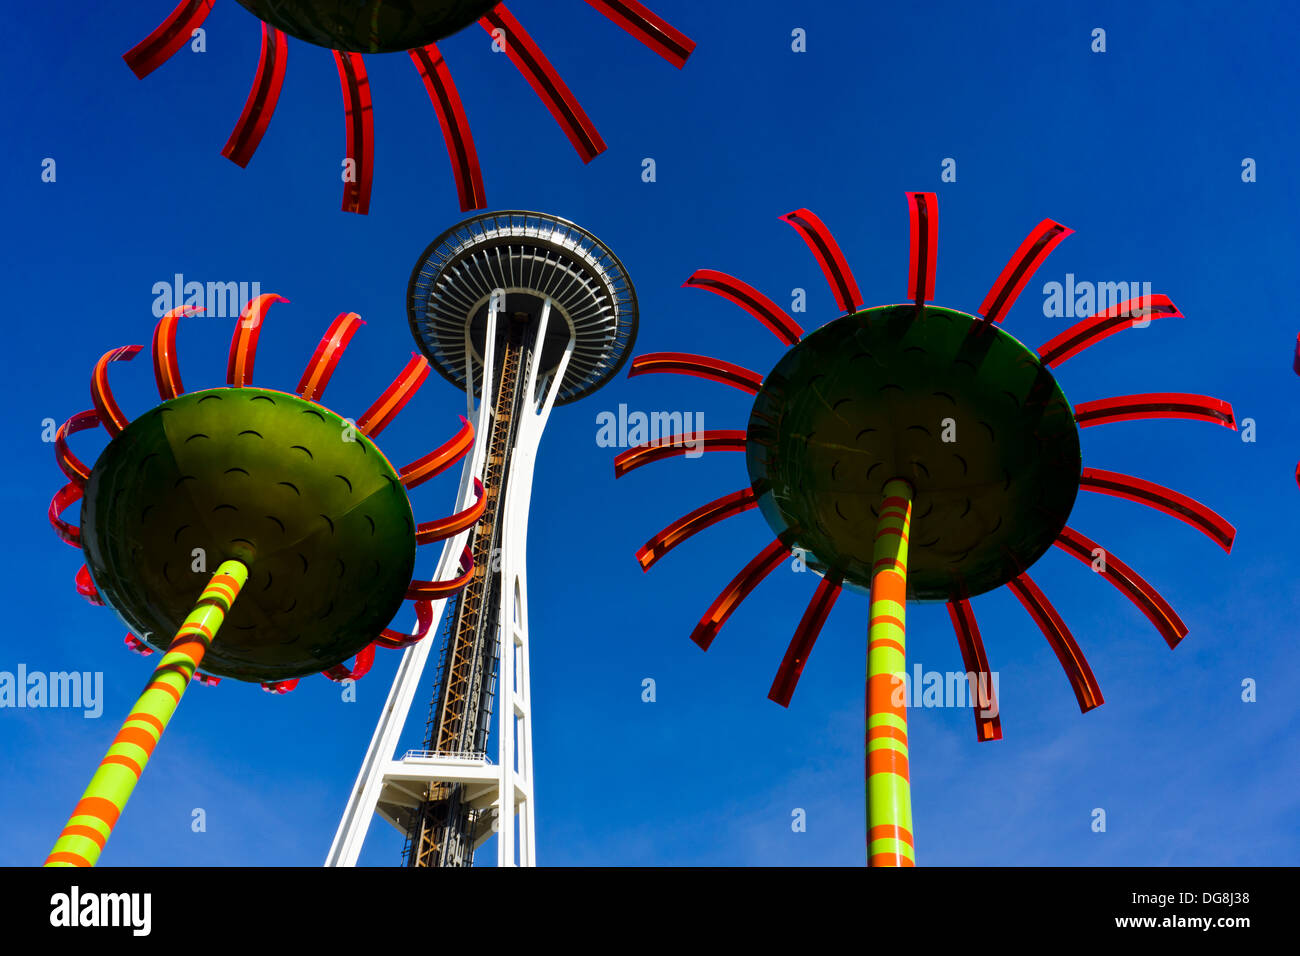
889,796
110,788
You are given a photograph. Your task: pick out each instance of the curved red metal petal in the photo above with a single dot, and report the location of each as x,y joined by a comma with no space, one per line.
829,257
655,32
1129,583
279,686
688,525
325,359
86,587
243,344
137,645
528,58
923,209
1037,246
734,593
773,317
72,466
381,414
801,644
1155,405
673,445
262,98
455,127
397,640
166,370
360,126
432,590
430,531
1062,641
65,496
984,702
101,395
1093,329
1179,506
701,366
168,37
441,458
365,659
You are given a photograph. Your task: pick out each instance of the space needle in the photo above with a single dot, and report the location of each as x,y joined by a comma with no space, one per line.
523,311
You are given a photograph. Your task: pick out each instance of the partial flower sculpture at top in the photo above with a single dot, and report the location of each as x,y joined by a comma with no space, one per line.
306,523
353,27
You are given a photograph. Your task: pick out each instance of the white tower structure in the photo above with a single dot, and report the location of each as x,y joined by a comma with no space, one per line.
524,311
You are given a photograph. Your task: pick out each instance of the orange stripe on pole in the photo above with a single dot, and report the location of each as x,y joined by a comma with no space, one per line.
222,596
898,733
149,719
889,586
881,691
227,583
887,760
889,831
126,762
110,789
889,804
90,833
97,807
193,649
882,643
162,685
140,738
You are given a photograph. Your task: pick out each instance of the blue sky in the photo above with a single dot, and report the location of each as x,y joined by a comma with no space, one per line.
1139,149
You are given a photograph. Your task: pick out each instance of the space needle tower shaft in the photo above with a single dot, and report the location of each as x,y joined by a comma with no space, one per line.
524,311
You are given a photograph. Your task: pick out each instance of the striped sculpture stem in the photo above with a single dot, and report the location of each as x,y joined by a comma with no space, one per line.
93,818
889,796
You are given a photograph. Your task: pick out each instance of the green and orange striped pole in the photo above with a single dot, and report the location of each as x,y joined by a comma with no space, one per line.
110,788
889,795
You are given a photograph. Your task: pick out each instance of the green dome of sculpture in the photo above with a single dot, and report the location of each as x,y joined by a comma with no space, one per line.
267,478
959,408
369,26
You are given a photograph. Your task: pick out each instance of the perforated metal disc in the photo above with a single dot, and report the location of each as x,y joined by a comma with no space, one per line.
267,478
369,26
971,418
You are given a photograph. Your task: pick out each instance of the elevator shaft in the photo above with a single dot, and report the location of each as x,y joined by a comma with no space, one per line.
443,830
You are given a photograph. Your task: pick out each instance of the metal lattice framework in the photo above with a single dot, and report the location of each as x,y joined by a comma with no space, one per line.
531,253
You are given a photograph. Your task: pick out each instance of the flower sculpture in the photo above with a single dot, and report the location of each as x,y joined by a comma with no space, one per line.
351,28
920,453
308,525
